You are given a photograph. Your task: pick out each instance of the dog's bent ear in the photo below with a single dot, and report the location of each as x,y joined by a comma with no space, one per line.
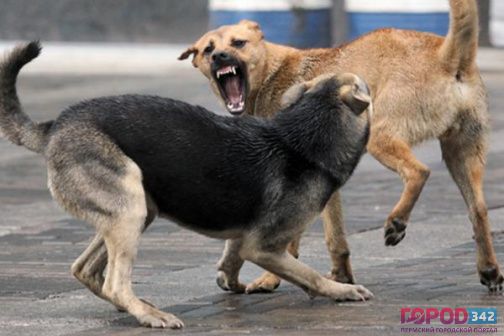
354,92
190,51
252,25
293,94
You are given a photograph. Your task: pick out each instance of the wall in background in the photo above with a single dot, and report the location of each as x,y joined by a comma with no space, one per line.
302,24
497,23
171,21
183,21
426,15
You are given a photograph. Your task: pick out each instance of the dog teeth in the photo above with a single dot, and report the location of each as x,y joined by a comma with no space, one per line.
235,108
225,71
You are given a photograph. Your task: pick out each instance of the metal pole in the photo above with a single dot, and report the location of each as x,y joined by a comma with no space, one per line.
339,22
484,17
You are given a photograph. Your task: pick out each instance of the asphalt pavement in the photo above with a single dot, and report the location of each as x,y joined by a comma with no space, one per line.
433,267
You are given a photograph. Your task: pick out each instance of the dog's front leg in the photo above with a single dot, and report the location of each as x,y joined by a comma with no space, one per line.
397,155
268,281
289,268
334,230
229,267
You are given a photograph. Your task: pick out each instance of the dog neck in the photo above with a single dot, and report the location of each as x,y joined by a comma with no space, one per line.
323,136
284,67
276,55
275,59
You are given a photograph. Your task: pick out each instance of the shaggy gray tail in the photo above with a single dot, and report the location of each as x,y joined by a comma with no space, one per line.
15,125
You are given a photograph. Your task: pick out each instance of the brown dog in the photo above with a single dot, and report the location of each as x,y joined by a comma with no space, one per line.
423,86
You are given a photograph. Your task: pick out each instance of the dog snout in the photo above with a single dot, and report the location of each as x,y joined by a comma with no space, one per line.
221,56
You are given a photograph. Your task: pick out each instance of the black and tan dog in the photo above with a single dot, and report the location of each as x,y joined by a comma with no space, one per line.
118,162
423,86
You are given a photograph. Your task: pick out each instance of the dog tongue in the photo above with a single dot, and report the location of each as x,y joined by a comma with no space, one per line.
232,87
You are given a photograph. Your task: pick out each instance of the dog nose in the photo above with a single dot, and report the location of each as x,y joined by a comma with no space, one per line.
221,56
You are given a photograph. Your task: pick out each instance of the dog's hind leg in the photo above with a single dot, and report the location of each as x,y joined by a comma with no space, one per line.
121,239
106,191
121,234
336,242
229,267
90,265
464,152
397,155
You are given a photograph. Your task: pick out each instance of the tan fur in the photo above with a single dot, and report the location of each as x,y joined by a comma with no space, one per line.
423,86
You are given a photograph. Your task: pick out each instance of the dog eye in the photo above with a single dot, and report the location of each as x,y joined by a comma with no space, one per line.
238,43
208,49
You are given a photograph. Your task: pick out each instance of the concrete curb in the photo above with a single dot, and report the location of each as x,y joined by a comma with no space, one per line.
104,59
150,59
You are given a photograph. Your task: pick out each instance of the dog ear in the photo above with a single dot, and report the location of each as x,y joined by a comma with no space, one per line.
190,51
354,92
252,25
293,94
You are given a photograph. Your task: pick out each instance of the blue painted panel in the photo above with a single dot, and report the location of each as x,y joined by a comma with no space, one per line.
361,23
301,28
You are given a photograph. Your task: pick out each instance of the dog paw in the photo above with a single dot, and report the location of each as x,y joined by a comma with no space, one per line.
267,283
158,319
342,276
353,293
225,284
395,231
492,278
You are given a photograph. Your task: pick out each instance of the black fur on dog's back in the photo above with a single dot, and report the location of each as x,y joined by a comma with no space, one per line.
185,153
211,172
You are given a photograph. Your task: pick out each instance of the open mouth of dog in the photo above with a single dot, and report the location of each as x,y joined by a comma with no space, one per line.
231,80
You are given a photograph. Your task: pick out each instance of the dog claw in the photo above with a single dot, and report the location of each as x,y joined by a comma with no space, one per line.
267,283
159,319
492,279
356,293
341,277
226,285
395,231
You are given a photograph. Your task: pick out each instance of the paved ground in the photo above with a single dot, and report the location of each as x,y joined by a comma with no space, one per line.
433,266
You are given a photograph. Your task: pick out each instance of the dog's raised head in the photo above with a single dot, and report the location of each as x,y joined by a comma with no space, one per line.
230,57
347,88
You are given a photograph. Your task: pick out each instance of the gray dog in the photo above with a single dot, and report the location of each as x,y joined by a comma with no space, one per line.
118,162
